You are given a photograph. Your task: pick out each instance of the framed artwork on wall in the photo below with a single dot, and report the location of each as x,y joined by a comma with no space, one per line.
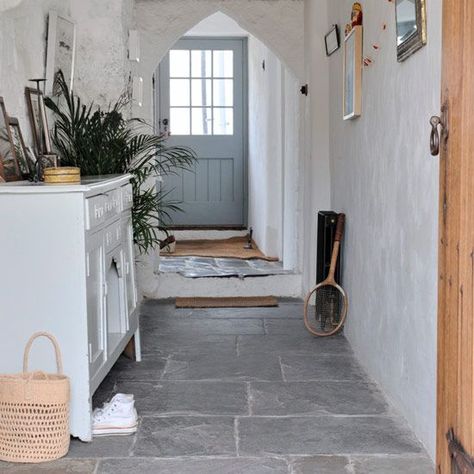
352,94
332,40
411,27
61,51
38,120
9,168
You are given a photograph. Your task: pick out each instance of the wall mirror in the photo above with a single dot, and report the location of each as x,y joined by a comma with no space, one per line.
411,27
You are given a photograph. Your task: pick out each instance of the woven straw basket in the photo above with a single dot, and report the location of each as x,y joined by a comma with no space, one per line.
34,412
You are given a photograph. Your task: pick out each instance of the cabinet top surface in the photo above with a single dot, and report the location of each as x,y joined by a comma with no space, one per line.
88,184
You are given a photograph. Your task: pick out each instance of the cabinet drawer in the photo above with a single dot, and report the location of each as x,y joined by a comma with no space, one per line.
95,211
101,208
112,204
112,236
127,197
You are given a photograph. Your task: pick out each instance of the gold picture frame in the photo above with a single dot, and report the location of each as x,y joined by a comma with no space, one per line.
352,93
410,26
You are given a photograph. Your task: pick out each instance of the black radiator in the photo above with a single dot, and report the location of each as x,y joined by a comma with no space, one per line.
327,221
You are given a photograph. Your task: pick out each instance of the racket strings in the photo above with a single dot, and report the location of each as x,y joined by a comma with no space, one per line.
328,309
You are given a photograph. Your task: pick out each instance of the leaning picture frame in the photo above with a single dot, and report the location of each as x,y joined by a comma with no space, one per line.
38,120
20,148
352,84
9,168
61,51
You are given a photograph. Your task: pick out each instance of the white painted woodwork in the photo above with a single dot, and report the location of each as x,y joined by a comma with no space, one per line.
67,267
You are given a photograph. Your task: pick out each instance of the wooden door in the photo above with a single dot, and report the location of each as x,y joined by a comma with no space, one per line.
456,271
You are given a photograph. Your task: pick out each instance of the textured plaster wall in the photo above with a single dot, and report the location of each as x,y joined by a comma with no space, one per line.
384,178
102,68
162,22
316,169
265,148
102,65
23,50
274,154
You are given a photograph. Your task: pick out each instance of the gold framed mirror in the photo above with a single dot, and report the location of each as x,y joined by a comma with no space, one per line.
411,27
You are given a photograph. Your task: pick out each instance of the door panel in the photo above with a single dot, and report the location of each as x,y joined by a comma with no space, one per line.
456,264
202,94
95,303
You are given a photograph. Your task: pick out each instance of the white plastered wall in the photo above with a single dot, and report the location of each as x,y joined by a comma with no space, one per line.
23,52
384,179
278,23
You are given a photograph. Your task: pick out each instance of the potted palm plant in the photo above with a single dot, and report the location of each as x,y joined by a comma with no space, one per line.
102,142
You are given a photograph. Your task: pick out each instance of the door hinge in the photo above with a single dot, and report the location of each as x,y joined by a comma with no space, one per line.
88,265
90,353
462,462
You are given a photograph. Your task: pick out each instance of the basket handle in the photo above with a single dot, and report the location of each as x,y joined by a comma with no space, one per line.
59,361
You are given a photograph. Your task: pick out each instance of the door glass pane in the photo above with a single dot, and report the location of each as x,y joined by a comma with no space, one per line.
223,121
201,62
179,121
202,121
201,92
223,92
223,64
179,92
179,63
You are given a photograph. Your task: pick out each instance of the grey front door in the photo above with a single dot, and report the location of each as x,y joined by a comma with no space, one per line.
201,94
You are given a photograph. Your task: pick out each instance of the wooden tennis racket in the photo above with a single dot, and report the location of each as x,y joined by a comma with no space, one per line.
329,312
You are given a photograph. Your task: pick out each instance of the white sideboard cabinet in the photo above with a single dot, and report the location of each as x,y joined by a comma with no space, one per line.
67,267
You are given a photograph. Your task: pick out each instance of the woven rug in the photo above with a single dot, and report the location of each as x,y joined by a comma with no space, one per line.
242,302
226,248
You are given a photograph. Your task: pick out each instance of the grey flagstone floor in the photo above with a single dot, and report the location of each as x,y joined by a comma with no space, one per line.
244,391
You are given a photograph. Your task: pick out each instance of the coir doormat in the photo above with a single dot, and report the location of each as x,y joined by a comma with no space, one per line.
231,302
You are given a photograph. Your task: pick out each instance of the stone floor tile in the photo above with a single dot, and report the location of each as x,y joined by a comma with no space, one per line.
186,436
186,343
61,466
149,369
194,466
321,465
204,327
324,367
303,343
188,398
394,465
103,447
290,327
225,367
315,398
283,312
324,435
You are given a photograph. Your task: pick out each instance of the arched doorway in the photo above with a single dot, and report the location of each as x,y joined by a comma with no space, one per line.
274,148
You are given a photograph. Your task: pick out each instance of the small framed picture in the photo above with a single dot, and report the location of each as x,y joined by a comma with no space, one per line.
20,148
352,103
39,120
332,40
9,168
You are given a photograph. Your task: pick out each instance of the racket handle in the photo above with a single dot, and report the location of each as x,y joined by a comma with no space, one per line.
341,220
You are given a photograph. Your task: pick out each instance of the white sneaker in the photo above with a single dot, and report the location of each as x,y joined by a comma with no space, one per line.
117,417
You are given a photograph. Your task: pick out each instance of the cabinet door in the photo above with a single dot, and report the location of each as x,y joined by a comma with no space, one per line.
129,258
95,302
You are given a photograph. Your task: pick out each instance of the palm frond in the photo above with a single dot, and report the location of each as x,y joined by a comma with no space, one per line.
104,142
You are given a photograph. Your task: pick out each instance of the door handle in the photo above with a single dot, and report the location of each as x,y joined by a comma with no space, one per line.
435,137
